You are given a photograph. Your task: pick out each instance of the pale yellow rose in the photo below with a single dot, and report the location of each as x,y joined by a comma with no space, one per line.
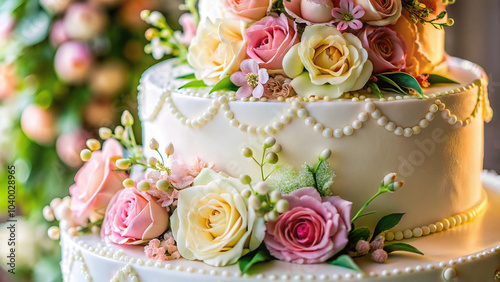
335,63
217,50
212,221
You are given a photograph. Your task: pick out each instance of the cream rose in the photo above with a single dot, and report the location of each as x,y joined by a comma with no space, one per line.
335,63
213,223
217,50
380,12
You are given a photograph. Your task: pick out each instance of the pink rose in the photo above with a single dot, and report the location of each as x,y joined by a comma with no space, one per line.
311,11
39,124
380,12
312,230
269,39
58,34
133,217
96,183
248,10
386,48
188,28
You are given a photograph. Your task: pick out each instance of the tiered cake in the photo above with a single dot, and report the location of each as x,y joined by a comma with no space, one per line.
312,105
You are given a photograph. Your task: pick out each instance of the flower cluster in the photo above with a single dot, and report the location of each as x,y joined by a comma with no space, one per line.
317,48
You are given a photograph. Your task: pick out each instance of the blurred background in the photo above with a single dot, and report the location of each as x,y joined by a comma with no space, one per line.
68,67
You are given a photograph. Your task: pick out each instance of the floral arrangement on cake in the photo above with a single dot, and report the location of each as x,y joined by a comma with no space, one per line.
274,49
193,211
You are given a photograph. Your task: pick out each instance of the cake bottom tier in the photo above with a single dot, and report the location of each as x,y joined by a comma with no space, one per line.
469,252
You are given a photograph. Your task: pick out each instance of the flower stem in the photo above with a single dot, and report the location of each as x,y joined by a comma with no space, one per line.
358,214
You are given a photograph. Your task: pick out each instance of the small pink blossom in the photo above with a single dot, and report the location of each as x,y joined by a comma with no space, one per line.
188,27
162,250
251,79
348,15
379,255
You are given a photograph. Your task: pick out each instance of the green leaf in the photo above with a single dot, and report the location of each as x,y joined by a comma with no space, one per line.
404,80
261,254
389,85
347,262
187,76
224,84
375,90
360,233
387,222
401,247
194,84
436,79
324,179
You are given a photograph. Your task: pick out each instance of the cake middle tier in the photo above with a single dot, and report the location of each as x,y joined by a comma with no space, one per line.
435,144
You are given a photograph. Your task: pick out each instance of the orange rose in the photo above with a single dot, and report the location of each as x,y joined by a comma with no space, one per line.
425,44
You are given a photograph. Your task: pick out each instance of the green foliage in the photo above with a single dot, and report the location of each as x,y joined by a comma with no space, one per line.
360,233
398,82
346,262
401,247
224,84
194,84
250,260
324,179
387,222
287,180
437,79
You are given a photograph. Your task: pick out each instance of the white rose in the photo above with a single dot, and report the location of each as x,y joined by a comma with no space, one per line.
213,223
335,63
212,9
218,49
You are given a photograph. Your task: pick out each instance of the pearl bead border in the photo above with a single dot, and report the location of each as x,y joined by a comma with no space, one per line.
297,109
443,225
109,253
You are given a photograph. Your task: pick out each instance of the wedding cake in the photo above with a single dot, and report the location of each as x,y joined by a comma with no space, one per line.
267,137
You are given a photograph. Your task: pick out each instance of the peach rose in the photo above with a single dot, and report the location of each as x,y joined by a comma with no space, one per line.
133,218
248,10
380,12
310,11
96,183
426,45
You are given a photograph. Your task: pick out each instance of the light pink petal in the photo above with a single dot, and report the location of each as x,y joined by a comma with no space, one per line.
344,6
244,91
258,91
337,14
358,12
238,78
356,24
342,25
249,66
263,76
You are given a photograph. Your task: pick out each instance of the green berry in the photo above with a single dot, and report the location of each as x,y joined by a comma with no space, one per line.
246,193
245,179
123,164
269,142
127,119
152,161
105,133
275,196
272,158
163,185
254,202
272,215
282,206
247,152
261,188
128,183
143,186
119,131
93,144
85,155
325,155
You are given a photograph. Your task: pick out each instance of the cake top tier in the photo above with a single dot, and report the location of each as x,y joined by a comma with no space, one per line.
319,48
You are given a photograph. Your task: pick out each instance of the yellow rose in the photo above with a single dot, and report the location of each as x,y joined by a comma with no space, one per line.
213,223
335,63
425,45
217,50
